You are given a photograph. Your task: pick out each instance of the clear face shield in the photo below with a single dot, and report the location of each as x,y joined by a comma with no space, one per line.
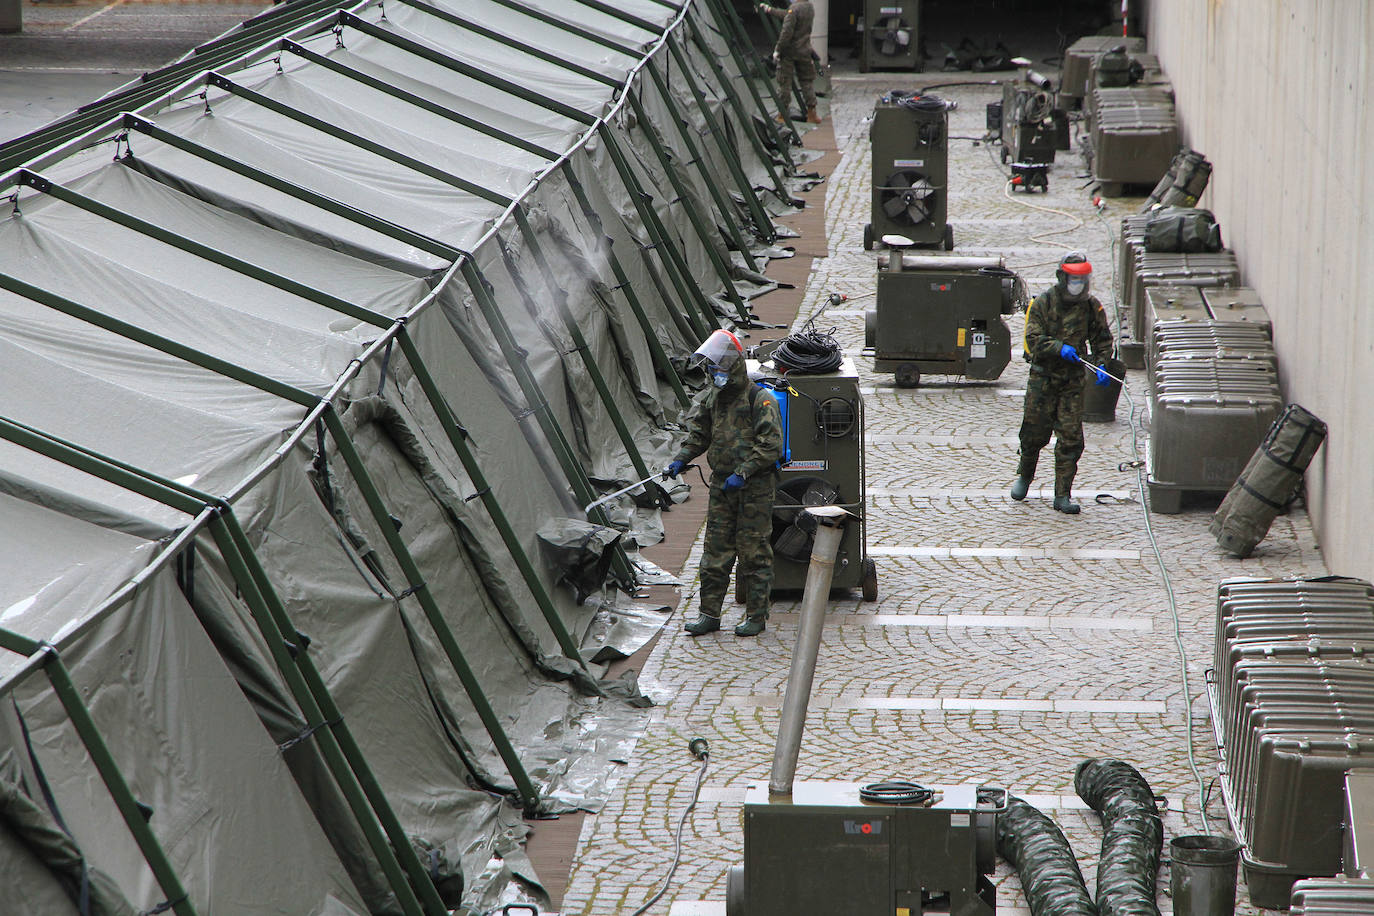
1077,276
717,354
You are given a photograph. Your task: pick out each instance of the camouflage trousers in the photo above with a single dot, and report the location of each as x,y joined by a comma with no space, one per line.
1053,406
805,71
739,524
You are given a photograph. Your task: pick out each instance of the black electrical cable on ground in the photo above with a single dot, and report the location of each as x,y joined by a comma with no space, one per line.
701,751
897,792
809,352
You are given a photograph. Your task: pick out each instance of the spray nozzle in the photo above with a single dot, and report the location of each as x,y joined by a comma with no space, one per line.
837,298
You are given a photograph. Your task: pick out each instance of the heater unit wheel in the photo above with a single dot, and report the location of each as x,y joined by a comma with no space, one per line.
949,237
870,580
907,375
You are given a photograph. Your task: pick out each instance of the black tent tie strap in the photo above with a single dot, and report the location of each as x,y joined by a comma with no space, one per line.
478,495
164,906
304,735
385,367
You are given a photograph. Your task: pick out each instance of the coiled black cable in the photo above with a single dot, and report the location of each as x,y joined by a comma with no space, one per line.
809,352
897,792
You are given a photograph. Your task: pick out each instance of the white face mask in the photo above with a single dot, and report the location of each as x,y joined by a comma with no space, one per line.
1076,286
720,379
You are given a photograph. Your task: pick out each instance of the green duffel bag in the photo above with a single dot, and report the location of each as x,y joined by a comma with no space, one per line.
1185,229
1269,482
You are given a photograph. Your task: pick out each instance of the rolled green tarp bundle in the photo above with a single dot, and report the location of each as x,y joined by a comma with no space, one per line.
1037,849
1269,482
1132,836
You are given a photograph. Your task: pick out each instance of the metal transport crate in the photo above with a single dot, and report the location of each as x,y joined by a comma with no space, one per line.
1078,59
1292,702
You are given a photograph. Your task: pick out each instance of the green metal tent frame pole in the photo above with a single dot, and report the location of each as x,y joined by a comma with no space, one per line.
664,365
647,126
623,284
765,225
362,478
342,755
445,177
47,657
717,130
751,68
732,96
457,435
377,320
684,130
676,262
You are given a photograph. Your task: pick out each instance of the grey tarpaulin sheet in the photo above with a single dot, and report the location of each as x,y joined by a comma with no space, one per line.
323,550
186,739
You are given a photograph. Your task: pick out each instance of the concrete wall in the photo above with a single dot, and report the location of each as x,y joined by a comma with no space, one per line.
1279,95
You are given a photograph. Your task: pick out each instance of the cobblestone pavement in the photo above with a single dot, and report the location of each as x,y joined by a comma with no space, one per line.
1009,642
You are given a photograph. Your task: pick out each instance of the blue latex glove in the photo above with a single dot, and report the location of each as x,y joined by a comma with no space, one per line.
1103,379
1069,353
674,468
733,482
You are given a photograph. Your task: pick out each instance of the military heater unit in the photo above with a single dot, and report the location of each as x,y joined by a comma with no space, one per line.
824,424
940,314
910,135
890,36
827,848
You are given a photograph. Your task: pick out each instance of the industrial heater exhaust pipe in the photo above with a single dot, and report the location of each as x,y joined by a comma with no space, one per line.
829,529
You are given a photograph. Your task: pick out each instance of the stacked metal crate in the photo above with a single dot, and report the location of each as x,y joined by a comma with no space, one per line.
1133,131
1214,388
1292,694
1333,897
1078,60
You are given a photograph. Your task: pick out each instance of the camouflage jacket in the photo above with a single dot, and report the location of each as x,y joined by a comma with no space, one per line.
1052,321
795,39
739,434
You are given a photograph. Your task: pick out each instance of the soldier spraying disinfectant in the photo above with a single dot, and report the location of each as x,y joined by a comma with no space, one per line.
739,428
1061,322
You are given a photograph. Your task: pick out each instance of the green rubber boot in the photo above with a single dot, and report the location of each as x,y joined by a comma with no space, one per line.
1020,488
1066,505
751,626
704,624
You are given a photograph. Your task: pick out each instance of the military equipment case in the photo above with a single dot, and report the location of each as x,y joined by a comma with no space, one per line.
1078,60
1132,143
1177,269
1268,482
1293,711
1332,897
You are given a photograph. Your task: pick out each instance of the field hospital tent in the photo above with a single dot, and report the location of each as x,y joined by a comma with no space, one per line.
320,347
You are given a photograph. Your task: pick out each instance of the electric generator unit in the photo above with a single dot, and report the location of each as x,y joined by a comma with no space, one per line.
910,135
828,848
890,39
941,315
1029,129
824,426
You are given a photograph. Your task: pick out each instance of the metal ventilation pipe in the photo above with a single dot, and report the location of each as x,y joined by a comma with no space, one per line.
829,530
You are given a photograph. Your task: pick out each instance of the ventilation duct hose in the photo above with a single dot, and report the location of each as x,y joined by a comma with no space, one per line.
1037,849
1132,836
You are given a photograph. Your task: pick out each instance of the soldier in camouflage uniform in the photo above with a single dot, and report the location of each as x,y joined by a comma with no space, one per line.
793,54
740,430
1060,323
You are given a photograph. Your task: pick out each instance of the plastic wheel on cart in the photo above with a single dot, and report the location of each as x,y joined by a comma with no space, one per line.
868,236
870,580
907,375
949,237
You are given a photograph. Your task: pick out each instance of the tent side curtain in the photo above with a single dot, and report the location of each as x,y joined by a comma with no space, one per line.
378,308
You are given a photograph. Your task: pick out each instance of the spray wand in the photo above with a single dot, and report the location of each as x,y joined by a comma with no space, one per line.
1103,371
623,490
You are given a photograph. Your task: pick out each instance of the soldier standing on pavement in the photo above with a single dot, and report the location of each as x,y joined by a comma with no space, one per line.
793,54
1060,324
739,428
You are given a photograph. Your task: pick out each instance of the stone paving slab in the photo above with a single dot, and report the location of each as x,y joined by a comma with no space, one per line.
1008,642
